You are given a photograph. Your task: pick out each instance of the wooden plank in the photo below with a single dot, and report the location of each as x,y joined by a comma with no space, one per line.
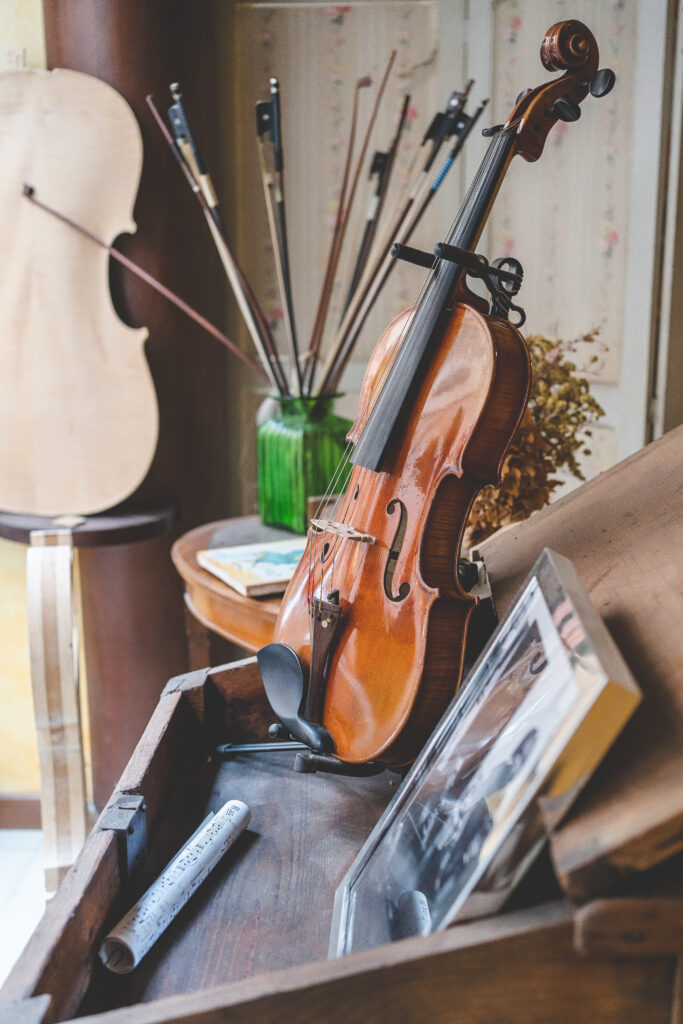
518,968
53,645
629,928
28,1011
62,952
623,531
268,905
59,957
245,708
677,1008
159,755
229,701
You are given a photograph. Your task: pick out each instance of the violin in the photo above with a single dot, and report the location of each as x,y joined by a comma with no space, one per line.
370,640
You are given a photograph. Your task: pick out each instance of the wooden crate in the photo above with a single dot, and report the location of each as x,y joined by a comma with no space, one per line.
251,945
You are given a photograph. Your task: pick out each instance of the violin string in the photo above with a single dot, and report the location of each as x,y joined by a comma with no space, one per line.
480,178
343,463
489,158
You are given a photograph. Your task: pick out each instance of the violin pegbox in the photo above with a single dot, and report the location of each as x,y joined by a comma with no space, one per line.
570,47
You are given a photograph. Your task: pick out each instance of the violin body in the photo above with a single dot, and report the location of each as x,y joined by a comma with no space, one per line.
398,652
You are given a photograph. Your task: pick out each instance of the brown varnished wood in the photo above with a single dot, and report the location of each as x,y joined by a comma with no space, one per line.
567,46
445,392
397,663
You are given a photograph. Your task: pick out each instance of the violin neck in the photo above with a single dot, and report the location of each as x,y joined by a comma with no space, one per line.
394,401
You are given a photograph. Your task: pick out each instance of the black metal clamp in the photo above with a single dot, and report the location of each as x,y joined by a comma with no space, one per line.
127,817
503,277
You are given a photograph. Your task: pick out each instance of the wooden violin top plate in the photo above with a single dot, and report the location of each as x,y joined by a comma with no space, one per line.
78,410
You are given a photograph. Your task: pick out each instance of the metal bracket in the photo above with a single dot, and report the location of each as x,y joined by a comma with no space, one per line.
127,816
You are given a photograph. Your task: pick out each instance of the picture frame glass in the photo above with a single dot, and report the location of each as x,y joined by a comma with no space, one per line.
466,822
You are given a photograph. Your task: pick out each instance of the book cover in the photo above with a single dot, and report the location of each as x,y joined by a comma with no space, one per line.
255,570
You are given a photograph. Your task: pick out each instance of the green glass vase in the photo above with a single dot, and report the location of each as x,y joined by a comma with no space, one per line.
298,454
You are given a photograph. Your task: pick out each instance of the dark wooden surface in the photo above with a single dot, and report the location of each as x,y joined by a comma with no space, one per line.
133,641
624,533
19,810
246,621
268,905
119,526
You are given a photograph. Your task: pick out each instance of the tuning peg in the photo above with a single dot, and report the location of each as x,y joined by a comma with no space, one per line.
565,109
602,82
488,132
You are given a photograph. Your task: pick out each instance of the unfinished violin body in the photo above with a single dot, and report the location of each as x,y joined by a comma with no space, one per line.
76,392
371,635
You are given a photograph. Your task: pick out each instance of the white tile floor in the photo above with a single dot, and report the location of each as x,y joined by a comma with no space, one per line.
22,891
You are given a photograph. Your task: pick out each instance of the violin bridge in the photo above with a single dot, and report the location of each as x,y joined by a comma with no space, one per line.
342,530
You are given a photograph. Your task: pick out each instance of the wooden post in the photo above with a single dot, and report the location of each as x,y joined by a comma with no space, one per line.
53,645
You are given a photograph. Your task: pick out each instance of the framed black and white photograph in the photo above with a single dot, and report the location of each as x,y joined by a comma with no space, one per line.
542,705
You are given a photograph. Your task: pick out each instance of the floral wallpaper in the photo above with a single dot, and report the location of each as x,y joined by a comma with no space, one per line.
565,216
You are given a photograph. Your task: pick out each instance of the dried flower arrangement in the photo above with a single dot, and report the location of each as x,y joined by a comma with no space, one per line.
554,430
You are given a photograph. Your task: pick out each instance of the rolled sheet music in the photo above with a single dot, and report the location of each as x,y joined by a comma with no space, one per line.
127,943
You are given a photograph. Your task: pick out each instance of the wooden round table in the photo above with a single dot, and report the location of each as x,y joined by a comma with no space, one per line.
248,622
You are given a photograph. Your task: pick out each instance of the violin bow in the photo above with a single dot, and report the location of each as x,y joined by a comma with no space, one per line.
328,279
29,193
321,316
443,125
269,121
191,162
403,234
382,166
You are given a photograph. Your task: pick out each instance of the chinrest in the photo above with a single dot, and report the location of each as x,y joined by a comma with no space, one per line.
285,685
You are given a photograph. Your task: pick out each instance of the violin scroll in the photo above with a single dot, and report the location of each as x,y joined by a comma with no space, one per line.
570,47
568,44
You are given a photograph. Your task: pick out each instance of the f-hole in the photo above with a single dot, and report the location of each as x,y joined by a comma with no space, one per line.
390,569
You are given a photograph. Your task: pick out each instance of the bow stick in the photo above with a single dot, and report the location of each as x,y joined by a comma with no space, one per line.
403,235
382,165
362,83
268,121
443,125
321,316
30,193
190,160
